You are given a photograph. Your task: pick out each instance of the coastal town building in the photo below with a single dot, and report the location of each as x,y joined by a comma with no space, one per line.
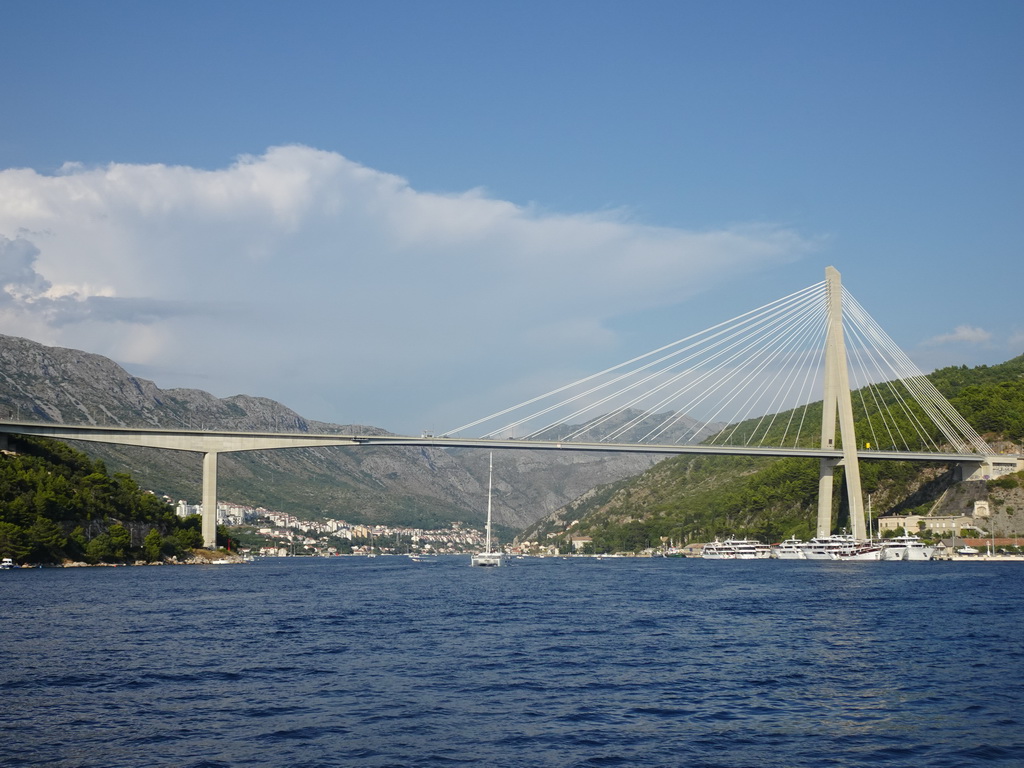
286,535
945,525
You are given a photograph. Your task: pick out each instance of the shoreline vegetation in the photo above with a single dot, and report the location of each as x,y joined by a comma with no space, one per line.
196,557
57,505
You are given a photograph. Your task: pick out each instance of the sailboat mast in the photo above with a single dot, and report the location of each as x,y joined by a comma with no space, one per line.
490,484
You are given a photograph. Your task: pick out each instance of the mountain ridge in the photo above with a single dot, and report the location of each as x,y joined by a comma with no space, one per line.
418,486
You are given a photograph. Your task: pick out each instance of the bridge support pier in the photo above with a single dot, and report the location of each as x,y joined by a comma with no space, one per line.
210,499
826,482
837,401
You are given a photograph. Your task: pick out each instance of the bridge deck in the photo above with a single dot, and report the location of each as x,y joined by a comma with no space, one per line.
220,441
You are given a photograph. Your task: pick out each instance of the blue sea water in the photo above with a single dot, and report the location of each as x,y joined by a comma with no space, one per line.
387,662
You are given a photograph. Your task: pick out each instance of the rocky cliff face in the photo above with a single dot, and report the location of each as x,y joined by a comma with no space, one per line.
416,486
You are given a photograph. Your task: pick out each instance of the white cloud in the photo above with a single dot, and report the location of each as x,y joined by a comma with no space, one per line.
962,334
336,288
18,277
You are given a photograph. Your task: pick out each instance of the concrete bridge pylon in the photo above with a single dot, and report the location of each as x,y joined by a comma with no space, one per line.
210,499
836,400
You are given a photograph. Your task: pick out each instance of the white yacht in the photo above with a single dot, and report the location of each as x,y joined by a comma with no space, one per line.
822,547
907,547
6,564
858,551
735,549
487,558
790,549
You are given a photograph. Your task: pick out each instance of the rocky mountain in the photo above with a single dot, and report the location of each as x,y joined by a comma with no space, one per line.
399,485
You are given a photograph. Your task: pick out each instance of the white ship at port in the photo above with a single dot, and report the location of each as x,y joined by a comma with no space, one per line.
907,547
845,547
735,549
858,551
790,549
823,547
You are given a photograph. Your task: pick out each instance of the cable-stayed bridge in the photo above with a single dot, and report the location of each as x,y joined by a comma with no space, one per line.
772,382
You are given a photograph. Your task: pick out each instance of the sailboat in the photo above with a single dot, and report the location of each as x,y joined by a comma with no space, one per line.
371,553
488,558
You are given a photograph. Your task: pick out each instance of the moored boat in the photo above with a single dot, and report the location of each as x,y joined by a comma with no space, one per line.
7,564
735,549
907,547
822,547
790,549
858,551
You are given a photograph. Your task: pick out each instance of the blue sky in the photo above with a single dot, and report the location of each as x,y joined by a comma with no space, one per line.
411,214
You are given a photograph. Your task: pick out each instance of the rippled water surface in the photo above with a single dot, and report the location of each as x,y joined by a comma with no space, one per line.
389,662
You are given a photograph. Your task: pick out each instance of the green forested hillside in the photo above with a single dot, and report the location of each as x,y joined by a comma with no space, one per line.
56,503
696,498
991,398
